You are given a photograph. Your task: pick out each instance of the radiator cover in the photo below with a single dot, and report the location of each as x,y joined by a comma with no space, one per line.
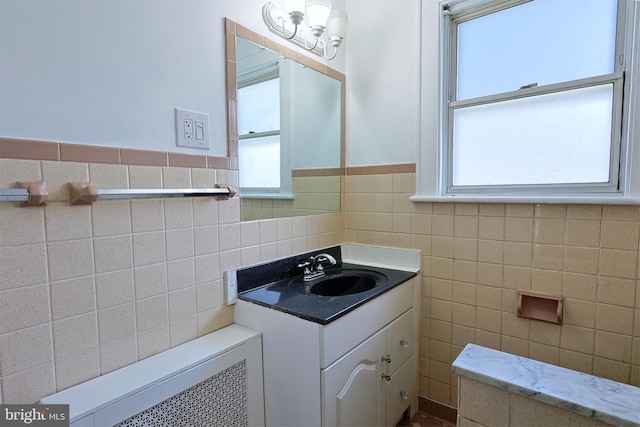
218,401
215,380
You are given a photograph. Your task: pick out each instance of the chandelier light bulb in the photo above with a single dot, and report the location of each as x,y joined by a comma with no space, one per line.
337,26
318,13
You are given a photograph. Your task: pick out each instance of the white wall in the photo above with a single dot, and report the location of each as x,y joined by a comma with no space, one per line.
106,72
383,58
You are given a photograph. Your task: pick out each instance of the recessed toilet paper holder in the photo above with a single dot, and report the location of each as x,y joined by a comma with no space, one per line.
541,306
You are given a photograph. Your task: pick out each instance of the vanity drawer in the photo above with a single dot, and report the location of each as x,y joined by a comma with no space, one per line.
399,340
400,392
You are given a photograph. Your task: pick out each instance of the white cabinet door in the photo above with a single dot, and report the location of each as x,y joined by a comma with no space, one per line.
353,389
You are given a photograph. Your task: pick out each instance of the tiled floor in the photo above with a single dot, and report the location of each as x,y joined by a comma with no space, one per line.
422,419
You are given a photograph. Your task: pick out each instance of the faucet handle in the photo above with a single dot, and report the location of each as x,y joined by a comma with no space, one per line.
306,266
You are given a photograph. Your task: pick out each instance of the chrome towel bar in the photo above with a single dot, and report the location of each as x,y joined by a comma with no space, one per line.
83,193
14,195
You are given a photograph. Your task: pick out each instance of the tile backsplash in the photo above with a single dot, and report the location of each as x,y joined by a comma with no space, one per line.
85,290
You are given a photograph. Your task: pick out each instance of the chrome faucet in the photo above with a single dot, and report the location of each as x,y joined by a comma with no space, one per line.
313,268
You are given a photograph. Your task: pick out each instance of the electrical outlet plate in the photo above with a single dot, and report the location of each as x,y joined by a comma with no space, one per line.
230,287
192,129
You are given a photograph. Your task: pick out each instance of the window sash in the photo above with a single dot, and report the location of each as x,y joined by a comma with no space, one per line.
519,57
615,79
448,91
243,123
255,152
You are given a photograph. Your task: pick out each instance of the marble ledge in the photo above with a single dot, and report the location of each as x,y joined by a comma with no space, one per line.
605,400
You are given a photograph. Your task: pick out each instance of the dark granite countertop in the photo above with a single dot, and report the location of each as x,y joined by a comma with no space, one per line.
291,296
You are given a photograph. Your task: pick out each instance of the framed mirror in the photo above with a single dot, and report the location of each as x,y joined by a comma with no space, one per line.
286,128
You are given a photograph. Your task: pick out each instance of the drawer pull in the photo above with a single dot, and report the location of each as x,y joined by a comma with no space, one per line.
404,394
386,358
404,343
386,377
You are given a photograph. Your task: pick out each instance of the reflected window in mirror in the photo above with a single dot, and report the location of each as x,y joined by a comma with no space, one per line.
263,146
260,143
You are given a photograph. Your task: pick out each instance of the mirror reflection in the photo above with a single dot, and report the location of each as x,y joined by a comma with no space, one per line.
289,129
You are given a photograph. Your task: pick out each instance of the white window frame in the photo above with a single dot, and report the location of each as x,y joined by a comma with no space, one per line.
433,171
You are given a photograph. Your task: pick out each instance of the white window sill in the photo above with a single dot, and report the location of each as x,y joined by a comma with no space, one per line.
597,200
268,196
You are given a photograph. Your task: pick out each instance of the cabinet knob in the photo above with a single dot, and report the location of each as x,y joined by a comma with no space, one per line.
404,394
404,343
386,358
386,377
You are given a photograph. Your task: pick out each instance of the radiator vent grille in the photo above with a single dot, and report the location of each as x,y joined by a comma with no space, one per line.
217,401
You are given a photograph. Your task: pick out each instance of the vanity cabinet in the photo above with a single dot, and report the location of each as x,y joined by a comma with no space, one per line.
332,374
373,383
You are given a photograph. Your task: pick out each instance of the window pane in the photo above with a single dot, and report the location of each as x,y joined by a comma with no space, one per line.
259,107
259,162
543,41
563,137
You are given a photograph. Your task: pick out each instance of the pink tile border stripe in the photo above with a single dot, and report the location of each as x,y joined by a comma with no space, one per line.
89,154
130,156
29,149
12,148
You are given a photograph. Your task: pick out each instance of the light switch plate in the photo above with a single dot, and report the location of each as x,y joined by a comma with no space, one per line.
192,129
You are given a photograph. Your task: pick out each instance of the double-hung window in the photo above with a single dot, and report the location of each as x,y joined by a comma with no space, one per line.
534,99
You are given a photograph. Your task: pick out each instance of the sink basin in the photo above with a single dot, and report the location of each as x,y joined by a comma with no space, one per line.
345,283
